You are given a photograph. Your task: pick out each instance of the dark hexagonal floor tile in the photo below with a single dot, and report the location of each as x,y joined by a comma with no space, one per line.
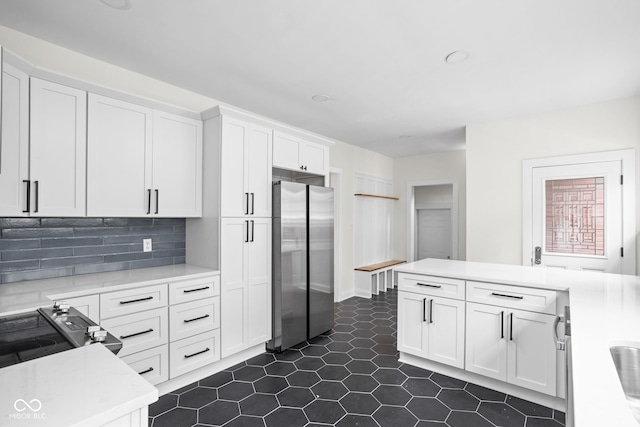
362,325
297,397
422,387
217,380
362,343
362,353
559,416
288,355
270,385
386,361
235,390
484,393
258,404
309,363
320,340
447,382
501,414
385,349
329,390
542,422
414,371
467,419
389,376
281,369
342,336
339,346
384,339
359,403
335,358
428,408
303,378
289,417
261,360
343,328
333,372
392,395
197,397
245,421
363,333
529,408
164,403
236,367
176,416
363,318
351,420
361,367
423,423
324,411
218,413
315,350
359,382
383,330
394,416
249,373
458,399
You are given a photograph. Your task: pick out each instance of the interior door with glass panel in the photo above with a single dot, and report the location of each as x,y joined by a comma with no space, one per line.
577,216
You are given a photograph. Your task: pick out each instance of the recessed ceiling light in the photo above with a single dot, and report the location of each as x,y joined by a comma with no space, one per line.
456,57
320,98
118,4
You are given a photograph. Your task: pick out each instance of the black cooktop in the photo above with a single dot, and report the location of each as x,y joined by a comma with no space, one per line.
28,336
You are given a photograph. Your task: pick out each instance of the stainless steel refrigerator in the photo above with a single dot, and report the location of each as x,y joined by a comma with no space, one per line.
302,263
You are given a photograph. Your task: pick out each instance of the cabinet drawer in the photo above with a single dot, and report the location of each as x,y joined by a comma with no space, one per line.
530,299
192,290
152,364
194,317
132,301
139,331
193,352
431,285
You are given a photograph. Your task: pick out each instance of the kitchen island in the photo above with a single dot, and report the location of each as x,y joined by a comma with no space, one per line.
605,311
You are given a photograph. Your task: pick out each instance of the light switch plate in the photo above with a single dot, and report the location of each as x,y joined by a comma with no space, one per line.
146,245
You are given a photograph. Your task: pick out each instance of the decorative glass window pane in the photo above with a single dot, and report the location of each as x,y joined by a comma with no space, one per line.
574,217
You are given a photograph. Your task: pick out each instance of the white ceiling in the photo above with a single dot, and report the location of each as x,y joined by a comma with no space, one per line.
380,61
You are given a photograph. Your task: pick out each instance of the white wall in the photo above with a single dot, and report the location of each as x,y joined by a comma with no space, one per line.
428,167
495,152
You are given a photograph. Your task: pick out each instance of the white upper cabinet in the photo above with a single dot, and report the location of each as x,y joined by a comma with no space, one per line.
58,133
294,153
119,158
177,165
14,146
245,169
142,162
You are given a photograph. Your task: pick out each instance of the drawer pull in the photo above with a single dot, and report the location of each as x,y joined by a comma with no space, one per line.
136,300
186,291
495,294
196,318
123,337
429,286
186,356
431,310
146,371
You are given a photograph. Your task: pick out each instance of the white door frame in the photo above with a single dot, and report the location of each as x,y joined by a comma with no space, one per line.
628,159
334,180
412,217
433,206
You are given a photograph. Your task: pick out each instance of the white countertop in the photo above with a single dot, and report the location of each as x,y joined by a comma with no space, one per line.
605,311
86,386
21,296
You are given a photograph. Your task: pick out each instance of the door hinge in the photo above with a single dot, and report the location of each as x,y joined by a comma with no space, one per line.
621,252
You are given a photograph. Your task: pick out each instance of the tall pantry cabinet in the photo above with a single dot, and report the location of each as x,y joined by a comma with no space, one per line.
234,234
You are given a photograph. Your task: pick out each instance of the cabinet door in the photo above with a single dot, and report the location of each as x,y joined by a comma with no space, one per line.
119,158
314,158
177,165
412,323
233,193
486,340
58,132
258,255
258,170
14,146
286,151
233,279
531,351
446,331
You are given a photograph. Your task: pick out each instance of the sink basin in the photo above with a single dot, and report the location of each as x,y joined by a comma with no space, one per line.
627,361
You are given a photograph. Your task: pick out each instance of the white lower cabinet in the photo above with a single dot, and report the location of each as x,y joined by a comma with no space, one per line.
511,345
431,327
139,331
194,352
152,364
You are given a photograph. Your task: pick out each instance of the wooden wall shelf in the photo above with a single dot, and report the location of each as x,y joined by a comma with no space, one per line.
374,195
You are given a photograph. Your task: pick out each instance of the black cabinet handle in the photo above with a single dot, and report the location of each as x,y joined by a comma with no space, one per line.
253,229
511,328
157,200
123,337
186,291
502,325
246,203
253,202
186,356
429,286
148,201
28,195
36,186
196,318
136,300
146,371
424,309
301,167
495,294
431,310
246,237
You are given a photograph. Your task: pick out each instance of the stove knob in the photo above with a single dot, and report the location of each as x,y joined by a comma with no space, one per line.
61,307
96,333
92,329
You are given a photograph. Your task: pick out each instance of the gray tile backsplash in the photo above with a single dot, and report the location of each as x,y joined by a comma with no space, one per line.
40,248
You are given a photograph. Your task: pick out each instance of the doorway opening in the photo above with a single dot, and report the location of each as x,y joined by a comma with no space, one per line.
432,220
